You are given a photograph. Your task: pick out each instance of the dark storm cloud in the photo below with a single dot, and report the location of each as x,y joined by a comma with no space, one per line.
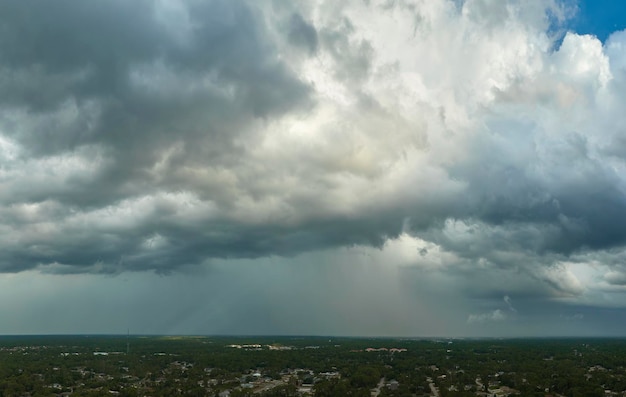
150,135
119,83
548,215
302,33
573,204
75,51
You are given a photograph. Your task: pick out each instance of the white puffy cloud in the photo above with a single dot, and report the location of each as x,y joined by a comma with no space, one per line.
496,315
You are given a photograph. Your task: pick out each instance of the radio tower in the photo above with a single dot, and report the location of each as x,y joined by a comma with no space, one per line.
127,341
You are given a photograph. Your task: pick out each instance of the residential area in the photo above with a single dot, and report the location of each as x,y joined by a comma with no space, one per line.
151,366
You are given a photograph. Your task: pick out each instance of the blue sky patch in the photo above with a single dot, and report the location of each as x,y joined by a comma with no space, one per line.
599,17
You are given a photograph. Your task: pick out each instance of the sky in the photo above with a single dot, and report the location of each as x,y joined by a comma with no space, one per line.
414,168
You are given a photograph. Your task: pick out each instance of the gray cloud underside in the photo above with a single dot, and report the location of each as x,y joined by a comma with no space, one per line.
150,135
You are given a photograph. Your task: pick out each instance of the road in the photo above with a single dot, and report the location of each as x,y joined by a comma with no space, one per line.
376,390
433,389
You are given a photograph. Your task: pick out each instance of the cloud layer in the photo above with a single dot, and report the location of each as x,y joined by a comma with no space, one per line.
158,135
